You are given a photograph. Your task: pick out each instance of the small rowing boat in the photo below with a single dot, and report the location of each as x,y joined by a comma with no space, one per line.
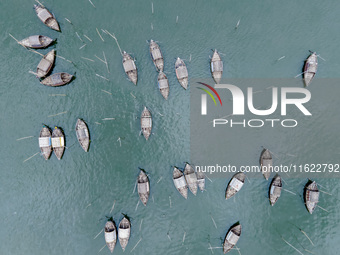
181,73
146,123
191,178
216,66
143,187
58,142
275,189
266,162
36,41
45,142
110,234
57,79
130,68
310,68
45,64
46,17
83,135
180,183
156,55
124,229
232,237
235,185
311,196
163,85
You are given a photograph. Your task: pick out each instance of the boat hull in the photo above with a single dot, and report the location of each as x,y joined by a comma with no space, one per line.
83,134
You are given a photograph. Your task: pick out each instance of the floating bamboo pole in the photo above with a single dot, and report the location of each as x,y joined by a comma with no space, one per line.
79,37
107,92
22,138
31,157
57,114
107,67
102,77
87,38
183,238
140,225
136,244
88,59
68,21
292,246
98,234
113,206
82,46
55,95
238,23
102,248
100,35
137,205
92,3
213,221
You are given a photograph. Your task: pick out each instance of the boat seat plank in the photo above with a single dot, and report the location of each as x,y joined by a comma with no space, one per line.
34,40
124,233
156,54
83,133
182,72
129,65
180,182
44,65
163,84
313,196
143,188
57,142
44,15
110,237
232,238
146,122
217,66
44,142
236,184
275,190
56,79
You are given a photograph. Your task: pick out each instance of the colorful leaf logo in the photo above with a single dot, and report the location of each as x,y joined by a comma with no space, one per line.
209,93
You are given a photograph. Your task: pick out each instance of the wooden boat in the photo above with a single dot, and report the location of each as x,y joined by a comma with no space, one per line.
235,185
181,73
275,189
46,17
191,178
310,68
45,142
266,162
57,79
83,135
180,182
232,237
156,55
130,68
143,187
216,66
58,142
146,123
311,196
46,64
163,85
110,234
124,229
36,41
200,179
